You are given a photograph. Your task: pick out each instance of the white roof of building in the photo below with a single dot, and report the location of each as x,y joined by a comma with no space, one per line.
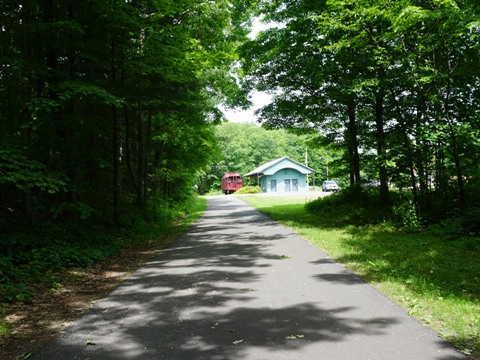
272,167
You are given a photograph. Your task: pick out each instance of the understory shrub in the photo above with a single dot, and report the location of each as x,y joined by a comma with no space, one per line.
350,205
464,226
361,207
405,213
249,190
27,257
23,266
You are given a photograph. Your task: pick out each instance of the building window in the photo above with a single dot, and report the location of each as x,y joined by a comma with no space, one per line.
294,184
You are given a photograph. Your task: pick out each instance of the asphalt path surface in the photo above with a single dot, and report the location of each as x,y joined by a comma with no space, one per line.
238,285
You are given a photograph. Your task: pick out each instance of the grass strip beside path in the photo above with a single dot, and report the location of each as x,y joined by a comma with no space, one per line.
435,280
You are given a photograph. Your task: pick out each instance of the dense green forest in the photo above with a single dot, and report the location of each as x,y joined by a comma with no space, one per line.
109,115
107,111
394,83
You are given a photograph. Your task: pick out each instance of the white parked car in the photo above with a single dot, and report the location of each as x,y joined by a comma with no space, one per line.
330,185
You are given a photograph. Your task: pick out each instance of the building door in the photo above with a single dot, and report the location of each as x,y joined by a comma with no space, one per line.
273,185
287,185
294,184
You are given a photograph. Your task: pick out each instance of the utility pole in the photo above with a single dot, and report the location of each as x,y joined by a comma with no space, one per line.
306,163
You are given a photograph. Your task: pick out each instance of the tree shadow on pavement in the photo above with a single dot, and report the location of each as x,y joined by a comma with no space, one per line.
113,332
202,298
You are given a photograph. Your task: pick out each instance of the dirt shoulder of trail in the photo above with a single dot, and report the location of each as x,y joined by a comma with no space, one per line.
32,325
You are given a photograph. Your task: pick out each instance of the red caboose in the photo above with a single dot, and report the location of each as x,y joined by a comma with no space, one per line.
231,182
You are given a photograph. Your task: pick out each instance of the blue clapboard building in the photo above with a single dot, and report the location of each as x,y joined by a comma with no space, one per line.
281,175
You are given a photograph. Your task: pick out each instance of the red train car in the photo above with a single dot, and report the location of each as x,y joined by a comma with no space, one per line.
231,182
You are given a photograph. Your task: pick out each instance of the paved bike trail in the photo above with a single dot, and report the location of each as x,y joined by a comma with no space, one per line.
238,285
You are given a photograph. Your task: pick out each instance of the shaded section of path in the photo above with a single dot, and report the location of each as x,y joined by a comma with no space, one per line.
240,286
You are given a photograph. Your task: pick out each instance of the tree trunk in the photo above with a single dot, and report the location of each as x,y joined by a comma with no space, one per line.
141,158
26,73
381,149
353,145
128,155
116,166
440,178
148,146
115,148
458,167
445,95
422,169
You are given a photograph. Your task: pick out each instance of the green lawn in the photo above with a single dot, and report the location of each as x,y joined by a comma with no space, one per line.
435,280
